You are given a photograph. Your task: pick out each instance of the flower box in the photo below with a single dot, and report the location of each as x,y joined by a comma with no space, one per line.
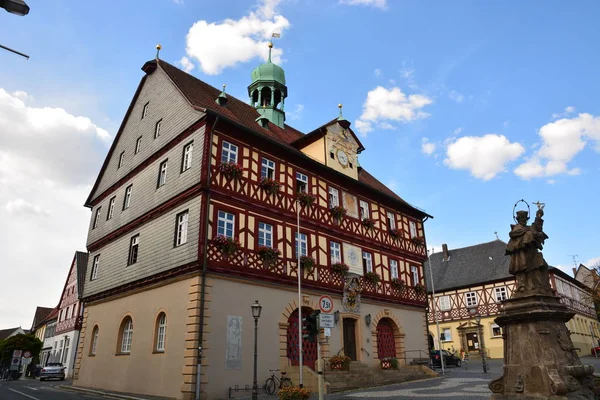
338,212
307,263
306,199
293,393
231,170
417,240
395,233
271,186
368,223
226,245
419,289
372,277
340,268
268,255
340,363
398,284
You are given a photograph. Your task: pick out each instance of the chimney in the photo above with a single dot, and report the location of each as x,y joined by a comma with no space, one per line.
574,271
446,254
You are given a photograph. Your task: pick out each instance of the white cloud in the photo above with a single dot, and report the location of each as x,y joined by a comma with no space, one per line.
296,113
377,73
390,105
551,181
49,159
592,263
236,41
568,110
456,96
561,141
457,131
427,147
375,3
484,156
187,65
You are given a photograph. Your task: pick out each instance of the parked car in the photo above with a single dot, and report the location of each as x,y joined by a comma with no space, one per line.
53,370
596,350
449,359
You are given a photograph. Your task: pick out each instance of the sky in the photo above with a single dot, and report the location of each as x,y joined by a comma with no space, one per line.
463,107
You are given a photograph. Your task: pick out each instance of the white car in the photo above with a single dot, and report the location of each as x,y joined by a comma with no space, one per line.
53,370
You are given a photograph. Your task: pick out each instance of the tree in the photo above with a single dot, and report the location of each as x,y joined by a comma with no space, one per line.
19,342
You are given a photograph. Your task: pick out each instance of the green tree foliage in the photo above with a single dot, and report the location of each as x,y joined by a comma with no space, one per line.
20,342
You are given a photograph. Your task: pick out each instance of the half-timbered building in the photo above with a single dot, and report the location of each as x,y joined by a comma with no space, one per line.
474,281
206,203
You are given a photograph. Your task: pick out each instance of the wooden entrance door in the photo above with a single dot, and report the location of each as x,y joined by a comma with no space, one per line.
472,341
386,343
350,338
309,349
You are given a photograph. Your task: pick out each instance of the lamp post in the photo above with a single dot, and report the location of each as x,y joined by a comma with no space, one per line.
256,309
473,311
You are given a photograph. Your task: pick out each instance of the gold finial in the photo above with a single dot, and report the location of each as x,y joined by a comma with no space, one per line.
158,48
340,105
224,86
270,45
340,117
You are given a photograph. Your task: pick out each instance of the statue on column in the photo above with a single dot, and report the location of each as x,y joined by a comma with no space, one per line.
526,261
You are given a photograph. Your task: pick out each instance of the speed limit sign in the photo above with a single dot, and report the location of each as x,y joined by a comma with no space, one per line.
325,304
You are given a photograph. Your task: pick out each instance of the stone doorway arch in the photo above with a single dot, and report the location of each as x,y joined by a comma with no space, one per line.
387,321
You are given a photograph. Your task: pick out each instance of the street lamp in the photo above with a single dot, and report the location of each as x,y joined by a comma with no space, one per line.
18,7
473,311
256,309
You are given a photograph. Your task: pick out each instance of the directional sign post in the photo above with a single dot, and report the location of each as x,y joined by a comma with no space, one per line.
326,321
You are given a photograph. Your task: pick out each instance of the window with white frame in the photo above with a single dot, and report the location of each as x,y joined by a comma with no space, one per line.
133,249
496,330
121,159
394,269
265,234
225,224
364,209
162,173
94,345
446,335
444,303
334,197
367,262
391,220
267,169
127,198
229,152
127,336
301,182
182,228
414,272
95,266
501,293
413,229
138,145
97,217
471,299
145,110
335,252
303,242
111,207
186,160
161,332
157,129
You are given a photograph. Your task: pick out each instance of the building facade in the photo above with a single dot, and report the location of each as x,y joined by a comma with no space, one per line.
474,281
206,204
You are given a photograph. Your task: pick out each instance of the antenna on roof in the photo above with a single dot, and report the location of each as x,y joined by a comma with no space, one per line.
496,233
158,47
574,256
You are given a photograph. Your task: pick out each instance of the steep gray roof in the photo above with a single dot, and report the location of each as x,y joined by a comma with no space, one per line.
81,265
5,333
468,266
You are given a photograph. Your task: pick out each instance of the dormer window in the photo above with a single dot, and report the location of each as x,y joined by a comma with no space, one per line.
121,159
157,129
145,110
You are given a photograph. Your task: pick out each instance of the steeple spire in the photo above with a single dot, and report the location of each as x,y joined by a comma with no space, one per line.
158,47
341,117
270,48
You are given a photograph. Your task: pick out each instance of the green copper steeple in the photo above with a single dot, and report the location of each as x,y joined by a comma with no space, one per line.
268,91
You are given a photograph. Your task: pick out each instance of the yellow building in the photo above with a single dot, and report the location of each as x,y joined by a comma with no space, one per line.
472,282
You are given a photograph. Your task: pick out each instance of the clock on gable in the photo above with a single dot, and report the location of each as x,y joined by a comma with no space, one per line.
342,158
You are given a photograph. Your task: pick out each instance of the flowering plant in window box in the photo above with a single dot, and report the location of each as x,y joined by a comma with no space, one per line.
338,212
368,223
231,170
293,393
307,263
389,363
340,363
226,245
306,199
269,185
417,240
340,268
398,284
395,233
372,277
268,255
419,289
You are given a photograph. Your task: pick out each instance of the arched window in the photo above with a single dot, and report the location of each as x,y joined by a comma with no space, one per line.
94,342
126,335
161,332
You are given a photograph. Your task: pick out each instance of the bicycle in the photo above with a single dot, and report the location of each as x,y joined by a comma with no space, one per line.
270,384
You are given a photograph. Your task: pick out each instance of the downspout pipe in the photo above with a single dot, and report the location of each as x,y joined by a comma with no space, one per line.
204,264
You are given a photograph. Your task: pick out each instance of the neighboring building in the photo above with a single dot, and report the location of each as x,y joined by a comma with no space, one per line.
170,201
48,352
6,333
38,326
589,277
476,279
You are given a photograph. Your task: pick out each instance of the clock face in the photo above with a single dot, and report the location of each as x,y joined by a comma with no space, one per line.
353,257
342,157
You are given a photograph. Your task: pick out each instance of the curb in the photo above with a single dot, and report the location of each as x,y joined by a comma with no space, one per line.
100,393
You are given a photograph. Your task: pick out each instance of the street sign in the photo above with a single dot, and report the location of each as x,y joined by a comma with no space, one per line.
17,353
325,304
327,332
26,354
326,321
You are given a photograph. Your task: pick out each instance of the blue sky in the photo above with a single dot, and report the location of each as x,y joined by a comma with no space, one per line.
463,107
